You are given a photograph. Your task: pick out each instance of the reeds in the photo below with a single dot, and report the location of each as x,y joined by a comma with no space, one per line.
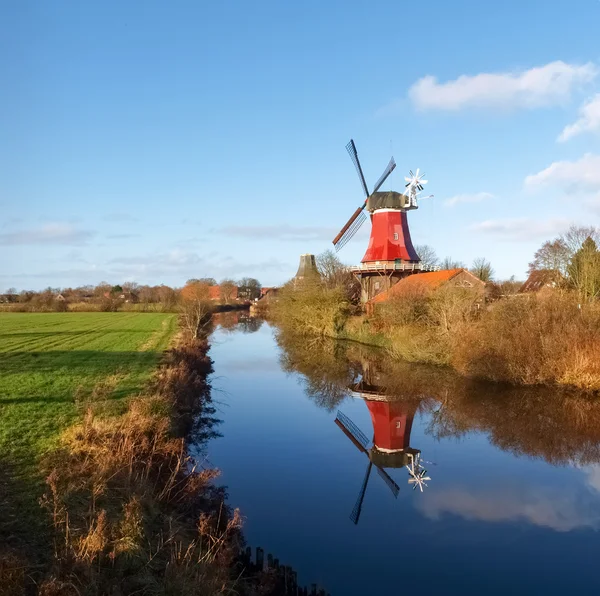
131,510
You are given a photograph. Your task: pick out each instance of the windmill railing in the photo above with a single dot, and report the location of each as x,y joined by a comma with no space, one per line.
392,266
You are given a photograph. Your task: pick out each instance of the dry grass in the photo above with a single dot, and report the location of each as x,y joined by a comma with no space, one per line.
544,338
132,512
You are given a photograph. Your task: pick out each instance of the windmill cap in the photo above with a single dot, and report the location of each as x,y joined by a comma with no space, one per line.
387,200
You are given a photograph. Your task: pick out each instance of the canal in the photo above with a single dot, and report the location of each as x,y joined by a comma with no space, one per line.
326,446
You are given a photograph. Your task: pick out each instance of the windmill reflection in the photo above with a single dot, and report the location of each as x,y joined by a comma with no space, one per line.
392,421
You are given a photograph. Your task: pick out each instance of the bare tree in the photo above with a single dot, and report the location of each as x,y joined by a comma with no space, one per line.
249,288
196,307
450,263
552,255
334,274
482,269
195,316
427,255
575,236
226,290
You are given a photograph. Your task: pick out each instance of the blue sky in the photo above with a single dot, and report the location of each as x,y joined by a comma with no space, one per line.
156,141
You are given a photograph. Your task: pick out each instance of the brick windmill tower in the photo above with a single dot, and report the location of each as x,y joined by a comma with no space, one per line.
390,255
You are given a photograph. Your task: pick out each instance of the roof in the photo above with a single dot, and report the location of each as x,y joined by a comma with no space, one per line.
540,278
429,280
387,200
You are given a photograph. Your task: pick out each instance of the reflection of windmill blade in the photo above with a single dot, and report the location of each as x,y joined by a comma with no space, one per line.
351,148
352,431
389,481
386,173
355,515
349,233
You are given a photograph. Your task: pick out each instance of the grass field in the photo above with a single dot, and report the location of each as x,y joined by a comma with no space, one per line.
53,364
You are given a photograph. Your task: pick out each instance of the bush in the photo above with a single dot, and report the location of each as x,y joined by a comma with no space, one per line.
543,338
309,307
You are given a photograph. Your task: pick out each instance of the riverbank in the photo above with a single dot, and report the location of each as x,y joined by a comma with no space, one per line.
548,338
127,509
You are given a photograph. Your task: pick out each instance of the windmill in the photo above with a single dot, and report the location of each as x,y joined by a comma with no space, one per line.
392,422
390,254
360,441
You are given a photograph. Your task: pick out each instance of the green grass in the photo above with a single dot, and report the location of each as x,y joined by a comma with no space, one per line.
53,366
51,363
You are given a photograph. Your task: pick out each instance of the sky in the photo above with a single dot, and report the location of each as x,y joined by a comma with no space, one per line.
156,141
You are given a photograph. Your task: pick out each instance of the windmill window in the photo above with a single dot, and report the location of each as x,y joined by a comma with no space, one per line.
395,235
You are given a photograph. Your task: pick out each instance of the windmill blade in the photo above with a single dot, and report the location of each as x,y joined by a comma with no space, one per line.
389,481
351,148
388,170
360,440
350,232
357,215
355,515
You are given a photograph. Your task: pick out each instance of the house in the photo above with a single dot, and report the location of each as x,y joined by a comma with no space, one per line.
420,283
541,278
216,293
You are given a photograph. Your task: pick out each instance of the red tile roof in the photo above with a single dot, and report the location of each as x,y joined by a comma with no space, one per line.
429,280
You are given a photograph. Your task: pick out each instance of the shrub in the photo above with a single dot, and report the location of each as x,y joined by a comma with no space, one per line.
543,338
309,307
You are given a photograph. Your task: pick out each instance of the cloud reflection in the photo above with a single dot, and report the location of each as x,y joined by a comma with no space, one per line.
549,508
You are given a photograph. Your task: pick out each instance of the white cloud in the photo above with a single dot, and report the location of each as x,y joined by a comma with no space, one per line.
546,85
589,120
50,233
580,175
560,512
521,228
468,198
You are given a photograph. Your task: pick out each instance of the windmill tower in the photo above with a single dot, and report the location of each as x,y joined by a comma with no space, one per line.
392,421
390,255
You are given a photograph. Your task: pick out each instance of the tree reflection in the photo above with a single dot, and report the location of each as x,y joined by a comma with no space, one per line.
562,427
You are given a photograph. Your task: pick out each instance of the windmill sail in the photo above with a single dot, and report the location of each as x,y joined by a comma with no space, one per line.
358,217
352,431
351,148
352,226
386,173
355,515
389,481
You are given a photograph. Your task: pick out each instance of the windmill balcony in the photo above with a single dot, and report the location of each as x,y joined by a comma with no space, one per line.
391,266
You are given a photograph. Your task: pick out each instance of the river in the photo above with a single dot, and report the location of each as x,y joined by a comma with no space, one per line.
510,478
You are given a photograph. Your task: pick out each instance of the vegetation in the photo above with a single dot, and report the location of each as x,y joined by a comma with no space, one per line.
128,510
575,258
54,364
552,337
560,426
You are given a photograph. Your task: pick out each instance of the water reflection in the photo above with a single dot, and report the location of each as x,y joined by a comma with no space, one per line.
309,425
562,427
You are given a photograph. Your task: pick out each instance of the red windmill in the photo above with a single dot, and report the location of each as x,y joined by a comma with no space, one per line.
390,254
392,423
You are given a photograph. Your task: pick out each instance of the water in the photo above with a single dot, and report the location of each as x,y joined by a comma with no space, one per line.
512,506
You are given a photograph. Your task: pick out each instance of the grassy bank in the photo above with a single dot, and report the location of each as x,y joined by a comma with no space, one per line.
54,364
53,368
124,508
544,338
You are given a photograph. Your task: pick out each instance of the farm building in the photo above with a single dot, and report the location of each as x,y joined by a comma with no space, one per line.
541,278
426,282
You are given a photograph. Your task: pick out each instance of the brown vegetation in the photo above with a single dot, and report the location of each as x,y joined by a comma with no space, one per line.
547,337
